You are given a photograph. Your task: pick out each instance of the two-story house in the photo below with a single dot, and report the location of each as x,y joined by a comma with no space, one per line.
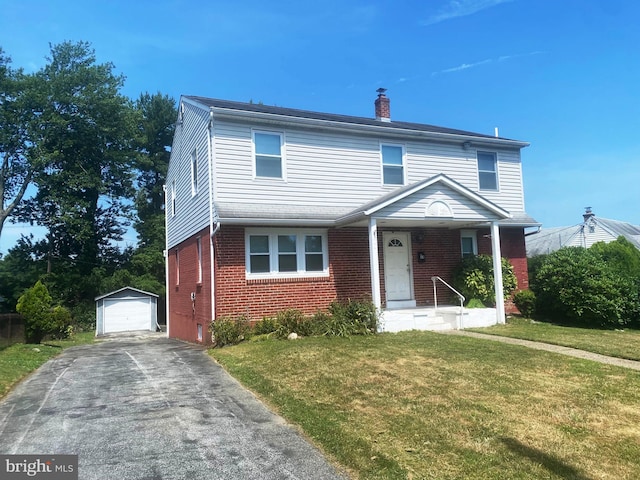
271,208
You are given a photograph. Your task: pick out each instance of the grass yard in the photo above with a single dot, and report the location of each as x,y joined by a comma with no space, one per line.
615,343
20,359
419,405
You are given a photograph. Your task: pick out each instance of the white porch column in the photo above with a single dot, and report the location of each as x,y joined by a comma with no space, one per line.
374,262
497,272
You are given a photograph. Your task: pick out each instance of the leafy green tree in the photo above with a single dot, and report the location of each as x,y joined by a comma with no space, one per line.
40,316
83,129
621,255
21,268
156,125
16,149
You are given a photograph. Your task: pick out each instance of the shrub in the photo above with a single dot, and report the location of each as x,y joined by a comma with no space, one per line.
229,330
40,318
474,278
525,301
265,326
353,317
576,285
292,321
475,303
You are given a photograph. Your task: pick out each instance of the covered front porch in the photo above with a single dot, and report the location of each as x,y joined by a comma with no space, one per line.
420,232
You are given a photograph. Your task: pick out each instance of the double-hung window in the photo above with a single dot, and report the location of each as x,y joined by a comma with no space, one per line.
268,154
286,253
468,243
392,164
487,171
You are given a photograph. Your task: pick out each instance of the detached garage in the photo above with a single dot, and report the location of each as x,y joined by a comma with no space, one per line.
127,309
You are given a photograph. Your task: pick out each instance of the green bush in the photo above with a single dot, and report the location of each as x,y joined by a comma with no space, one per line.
525,301
265,326
474,278
40,318
575,285
475,303
229,330
353,317
292,321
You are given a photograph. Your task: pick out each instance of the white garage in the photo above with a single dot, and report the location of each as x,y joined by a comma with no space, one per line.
127,309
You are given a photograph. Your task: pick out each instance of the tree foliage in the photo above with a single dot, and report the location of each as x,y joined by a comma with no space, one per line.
41,318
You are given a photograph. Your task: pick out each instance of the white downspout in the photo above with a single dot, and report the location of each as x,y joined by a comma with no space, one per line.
212,229
166,258
497,272
374,262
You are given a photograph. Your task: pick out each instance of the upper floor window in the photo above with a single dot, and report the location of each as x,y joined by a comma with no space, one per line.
286,253
392,164
468,243
194,173
487,171
268,151
173,198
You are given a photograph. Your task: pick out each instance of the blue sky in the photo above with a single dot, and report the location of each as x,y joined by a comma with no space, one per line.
563,75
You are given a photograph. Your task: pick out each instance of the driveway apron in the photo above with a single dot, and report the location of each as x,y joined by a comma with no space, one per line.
147,407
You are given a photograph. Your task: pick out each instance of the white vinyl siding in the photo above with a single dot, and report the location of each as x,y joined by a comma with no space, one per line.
286,253
392,164
341,171
189,213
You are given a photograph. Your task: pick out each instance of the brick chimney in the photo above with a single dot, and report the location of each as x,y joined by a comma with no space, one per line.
383,111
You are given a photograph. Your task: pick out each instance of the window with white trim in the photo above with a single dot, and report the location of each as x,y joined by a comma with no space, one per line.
199,256
173,198
268,154
194,173
468,243
487,171
177,262
392,164
286,253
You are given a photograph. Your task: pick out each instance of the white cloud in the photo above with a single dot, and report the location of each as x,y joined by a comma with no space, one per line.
461,8
502,58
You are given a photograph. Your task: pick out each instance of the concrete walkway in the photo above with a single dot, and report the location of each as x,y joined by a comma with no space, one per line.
572,352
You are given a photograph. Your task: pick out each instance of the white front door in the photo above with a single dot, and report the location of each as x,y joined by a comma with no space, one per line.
397,266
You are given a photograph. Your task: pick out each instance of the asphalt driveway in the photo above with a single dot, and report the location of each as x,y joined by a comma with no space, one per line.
146,407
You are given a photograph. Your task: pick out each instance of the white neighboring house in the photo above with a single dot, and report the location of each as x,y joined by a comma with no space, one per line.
591,230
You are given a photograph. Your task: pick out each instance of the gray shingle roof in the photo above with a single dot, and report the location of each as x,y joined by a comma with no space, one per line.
332,117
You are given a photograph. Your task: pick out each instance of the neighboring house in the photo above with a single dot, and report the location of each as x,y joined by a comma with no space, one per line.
591,230
270,208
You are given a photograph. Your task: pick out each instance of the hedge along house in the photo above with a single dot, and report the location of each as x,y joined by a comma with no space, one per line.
126,310
270,208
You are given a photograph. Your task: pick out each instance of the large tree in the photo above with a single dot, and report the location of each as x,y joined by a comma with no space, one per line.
16,149
83,130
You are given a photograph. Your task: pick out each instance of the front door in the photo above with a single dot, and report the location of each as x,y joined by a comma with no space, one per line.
397,265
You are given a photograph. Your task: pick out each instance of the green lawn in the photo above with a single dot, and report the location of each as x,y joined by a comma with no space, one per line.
20,359
419,405
615,343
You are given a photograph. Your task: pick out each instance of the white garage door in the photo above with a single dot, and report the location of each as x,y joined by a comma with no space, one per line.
122,315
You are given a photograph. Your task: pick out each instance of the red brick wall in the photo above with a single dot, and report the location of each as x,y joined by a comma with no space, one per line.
349,275
184,314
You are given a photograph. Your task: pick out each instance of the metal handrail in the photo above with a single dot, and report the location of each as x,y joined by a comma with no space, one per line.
435,293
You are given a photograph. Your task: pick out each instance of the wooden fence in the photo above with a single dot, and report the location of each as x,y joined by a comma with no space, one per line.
11,329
